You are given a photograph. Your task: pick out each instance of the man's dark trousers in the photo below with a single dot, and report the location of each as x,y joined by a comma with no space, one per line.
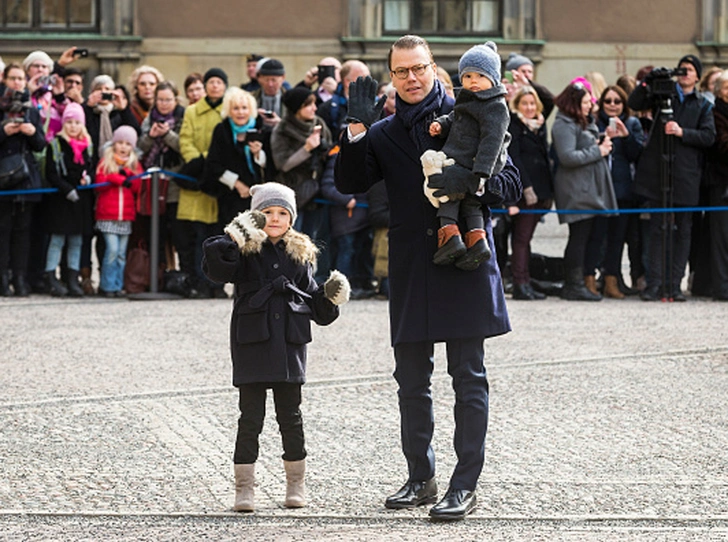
414,367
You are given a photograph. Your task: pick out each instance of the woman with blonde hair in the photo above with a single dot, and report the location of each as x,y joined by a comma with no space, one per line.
529,152
236,160
142,84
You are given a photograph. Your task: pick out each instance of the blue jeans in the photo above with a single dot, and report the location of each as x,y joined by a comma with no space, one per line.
73,252
112,268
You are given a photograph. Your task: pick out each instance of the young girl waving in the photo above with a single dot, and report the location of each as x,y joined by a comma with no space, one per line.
69,165
276,297
116,206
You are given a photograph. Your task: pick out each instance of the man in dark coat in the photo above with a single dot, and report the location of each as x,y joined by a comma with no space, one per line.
428,303
692,130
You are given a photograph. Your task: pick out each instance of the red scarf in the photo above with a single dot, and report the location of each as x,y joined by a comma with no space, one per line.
78,146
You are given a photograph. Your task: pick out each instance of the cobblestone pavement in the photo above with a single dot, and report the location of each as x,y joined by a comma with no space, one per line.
117,420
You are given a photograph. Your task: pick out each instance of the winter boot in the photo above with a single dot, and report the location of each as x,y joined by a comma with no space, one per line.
86,283
611,287
5,290
590,281
450,245
295,485
55,287
244,488
574,288
20,285
478,251
74,287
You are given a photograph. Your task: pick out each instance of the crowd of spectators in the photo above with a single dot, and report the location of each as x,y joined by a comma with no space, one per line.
214,140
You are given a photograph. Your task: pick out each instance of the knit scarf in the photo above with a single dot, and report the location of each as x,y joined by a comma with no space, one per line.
105,131
213,103
241,130
159,146
418,117
78,146
532,124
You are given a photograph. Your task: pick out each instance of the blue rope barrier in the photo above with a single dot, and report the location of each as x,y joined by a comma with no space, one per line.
148,173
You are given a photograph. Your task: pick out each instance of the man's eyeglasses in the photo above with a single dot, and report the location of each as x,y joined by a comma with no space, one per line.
70,82
417,70
615,101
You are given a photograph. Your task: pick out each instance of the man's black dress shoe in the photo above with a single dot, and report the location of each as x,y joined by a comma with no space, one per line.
456,504
413,494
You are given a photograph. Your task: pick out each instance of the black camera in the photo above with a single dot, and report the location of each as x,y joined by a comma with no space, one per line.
661,82
253,135
107,96
326,71
15,102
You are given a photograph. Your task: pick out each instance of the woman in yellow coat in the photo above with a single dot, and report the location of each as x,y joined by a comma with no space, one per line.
197,212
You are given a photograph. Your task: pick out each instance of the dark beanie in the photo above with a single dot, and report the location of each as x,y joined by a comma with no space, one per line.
215,72
293,99
695,61
272,67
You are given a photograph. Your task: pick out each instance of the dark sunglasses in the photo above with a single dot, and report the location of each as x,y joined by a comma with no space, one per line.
616,101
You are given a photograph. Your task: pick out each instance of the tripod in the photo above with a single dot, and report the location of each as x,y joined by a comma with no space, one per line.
667,157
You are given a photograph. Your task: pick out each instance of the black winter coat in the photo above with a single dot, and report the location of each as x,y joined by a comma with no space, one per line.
117,118
694,115
17,143
276,297
625,154
428,302
343,221
63,216
530,154
225,154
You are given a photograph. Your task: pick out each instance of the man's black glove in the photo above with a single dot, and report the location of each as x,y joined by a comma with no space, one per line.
455,180
363,104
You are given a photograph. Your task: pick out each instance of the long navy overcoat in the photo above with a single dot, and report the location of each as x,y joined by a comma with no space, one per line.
428,302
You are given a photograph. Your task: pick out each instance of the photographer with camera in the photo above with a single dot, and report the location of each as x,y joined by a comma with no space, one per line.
21,134
684,117
327,74
106,108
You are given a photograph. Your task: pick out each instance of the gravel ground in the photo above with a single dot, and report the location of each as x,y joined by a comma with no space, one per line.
607,422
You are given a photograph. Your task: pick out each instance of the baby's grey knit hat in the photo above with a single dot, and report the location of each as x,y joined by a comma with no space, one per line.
483,59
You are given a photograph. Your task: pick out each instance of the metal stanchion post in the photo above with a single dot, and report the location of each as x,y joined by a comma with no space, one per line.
153,292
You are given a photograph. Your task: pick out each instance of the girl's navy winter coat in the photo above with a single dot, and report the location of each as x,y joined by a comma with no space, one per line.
276,297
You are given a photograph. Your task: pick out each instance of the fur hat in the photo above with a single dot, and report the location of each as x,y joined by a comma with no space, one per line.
483,59
215,72
273,194
272,67
293,99
515,61
74,111
37,56
695,61
125,133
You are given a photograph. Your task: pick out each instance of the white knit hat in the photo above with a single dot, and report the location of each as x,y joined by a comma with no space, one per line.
273,194
37,56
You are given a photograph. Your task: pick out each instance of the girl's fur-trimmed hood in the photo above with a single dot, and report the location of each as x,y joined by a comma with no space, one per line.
300,248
